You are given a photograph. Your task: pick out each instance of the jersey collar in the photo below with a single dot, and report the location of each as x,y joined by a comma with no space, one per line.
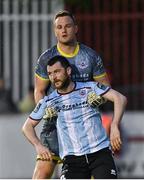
69,55
69,91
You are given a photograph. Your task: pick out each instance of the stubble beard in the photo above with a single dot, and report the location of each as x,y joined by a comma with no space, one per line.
70,42
64,84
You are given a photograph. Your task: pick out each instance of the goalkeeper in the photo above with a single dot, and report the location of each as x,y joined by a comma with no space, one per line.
83,142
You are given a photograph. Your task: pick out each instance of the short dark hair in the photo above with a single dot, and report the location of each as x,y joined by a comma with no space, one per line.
65,13
64,62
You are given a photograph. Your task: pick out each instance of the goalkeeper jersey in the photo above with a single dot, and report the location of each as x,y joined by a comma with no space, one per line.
79,126
86,63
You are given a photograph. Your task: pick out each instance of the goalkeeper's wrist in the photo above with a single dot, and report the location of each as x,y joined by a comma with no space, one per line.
37,143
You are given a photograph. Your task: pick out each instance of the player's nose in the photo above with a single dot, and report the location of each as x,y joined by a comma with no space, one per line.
64,30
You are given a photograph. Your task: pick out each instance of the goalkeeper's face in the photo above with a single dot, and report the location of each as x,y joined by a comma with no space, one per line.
59,76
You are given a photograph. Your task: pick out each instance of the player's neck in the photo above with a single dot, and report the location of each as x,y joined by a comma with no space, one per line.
67,89
67,48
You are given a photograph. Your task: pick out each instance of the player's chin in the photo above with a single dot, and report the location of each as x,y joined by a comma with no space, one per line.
66,41
58,85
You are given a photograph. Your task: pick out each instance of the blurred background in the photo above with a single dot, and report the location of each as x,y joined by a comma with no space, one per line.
114,28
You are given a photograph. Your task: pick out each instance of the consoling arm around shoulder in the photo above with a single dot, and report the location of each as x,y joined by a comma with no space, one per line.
40,87
120,102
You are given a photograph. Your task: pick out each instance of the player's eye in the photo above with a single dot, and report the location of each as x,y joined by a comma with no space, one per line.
57,71
59,27
49,73
69,25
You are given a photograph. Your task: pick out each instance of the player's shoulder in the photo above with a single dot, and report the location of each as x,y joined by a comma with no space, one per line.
52,95
88,84
43,100
88,49
91,85
48,53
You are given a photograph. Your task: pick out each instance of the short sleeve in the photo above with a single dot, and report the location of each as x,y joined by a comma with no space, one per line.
98,67
41,67
39,110
99,88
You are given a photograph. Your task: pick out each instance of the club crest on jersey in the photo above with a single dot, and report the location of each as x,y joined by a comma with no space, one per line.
82,63
83,92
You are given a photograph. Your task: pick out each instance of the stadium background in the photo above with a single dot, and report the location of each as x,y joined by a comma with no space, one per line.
114,28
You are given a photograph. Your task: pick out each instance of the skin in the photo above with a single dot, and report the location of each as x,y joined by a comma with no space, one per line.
43,169
120,102
58,77
65,31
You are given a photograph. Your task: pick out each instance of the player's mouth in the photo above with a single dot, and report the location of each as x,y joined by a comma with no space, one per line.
65,36
57,83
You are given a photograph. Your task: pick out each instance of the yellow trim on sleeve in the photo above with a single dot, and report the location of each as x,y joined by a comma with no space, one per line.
100,76
69,55
41,77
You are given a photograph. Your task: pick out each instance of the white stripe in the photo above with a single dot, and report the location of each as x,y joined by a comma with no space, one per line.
26,17
6,47
63,151
15,48
35,54
91,136
25,59
71,131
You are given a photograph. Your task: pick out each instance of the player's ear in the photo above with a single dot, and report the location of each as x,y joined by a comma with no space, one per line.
54,29
69,71
55,33
76,29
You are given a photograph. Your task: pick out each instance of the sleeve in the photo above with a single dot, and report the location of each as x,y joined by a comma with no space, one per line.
98,67
39,110
41,67
100,89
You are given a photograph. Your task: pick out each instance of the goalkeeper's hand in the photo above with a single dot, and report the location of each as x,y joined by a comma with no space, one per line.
95,100
50,113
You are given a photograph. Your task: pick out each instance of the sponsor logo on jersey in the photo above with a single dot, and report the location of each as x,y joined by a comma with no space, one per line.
67,107
81,77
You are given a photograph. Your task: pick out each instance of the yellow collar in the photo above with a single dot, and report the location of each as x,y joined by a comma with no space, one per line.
69,55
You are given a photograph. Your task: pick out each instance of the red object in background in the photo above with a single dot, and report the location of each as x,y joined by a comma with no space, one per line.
106,121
